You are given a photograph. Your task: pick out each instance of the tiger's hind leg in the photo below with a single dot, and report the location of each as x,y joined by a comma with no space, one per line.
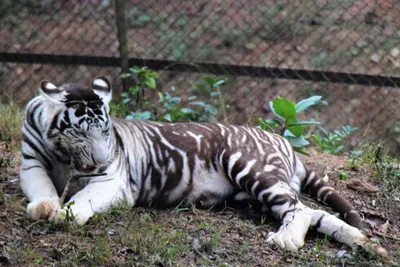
296,218
282,200
268,184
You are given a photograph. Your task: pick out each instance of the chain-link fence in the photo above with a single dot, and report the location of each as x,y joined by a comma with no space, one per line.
348,51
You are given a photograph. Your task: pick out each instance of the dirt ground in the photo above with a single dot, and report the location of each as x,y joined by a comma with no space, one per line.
193,237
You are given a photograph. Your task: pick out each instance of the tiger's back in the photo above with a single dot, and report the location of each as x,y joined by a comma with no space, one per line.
202,163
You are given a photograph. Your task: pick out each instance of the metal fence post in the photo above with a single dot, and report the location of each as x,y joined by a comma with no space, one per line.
123,41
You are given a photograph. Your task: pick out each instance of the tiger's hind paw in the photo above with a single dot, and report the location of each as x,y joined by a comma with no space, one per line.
286,240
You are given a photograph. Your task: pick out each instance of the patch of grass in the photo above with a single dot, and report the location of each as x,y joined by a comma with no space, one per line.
98,253
385,169
155,244
24,254
11,117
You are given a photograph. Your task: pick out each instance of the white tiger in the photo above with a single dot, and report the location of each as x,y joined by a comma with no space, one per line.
149,163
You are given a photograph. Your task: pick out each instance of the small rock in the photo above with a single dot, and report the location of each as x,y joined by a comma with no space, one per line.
340,253
38,231
376,57
111,231
395,52
384,227
372,223
251,46
196,244
264,234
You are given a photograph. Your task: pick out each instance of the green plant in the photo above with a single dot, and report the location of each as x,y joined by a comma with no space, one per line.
69,215
385,169
332,143
99,253
343,175
134,102
286,120
170,106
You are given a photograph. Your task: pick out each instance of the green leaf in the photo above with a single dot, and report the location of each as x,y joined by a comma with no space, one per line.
297,141
209,80
212,94
210,109
288,133
270,122
218,82
136,69
343,175
305,103
297,130
150,82
187,110
160,97
134,90
125,75
267,124
198,103
304,123
145,115
283,108
298,150
167,117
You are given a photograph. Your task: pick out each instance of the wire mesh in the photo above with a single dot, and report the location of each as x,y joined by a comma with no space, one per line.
350,36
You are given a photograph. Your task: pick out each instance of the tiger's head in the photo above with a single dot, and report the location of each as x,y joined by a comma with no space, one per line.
80,125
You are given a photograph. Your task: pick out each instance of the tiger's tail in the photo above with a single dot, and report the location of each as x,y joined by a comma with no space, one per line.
316,187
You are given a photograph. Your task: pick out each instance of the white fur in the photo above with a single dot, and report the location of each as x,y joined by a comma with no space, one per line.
245,171
293,230
210,181
101,83
50,86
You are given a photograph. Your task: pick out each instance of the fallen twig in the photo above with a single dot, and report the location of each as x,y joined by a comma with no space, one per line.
386,236
76,177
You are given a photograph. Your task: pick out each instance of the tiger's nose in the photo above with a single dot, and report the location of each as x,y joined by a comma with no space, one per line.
99,158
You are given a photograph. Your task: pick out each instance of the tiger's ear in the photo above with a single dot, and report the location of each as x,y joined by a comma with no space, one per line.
102,87
52,92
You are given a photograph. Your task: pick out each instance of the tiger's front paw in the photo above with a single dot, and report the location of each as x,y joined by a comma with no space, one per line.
43,208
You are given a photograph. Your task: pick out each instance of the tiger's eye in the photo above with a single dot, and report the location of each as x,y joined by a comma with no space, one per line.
76,106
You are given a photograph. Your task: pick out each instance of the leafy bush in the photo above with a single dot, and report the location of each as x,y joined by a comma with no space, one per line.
170,106
287,123
332,142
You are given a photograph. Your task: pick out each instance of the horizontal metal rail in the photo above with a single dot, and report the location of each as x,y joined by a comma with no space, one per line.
212,68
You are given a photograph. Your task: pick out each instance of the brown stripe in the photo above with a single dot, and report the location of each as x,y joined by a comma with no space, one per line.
313,185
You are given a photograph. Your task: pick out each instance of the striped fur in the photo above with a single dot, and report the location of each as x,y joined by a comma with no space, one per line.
151,163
